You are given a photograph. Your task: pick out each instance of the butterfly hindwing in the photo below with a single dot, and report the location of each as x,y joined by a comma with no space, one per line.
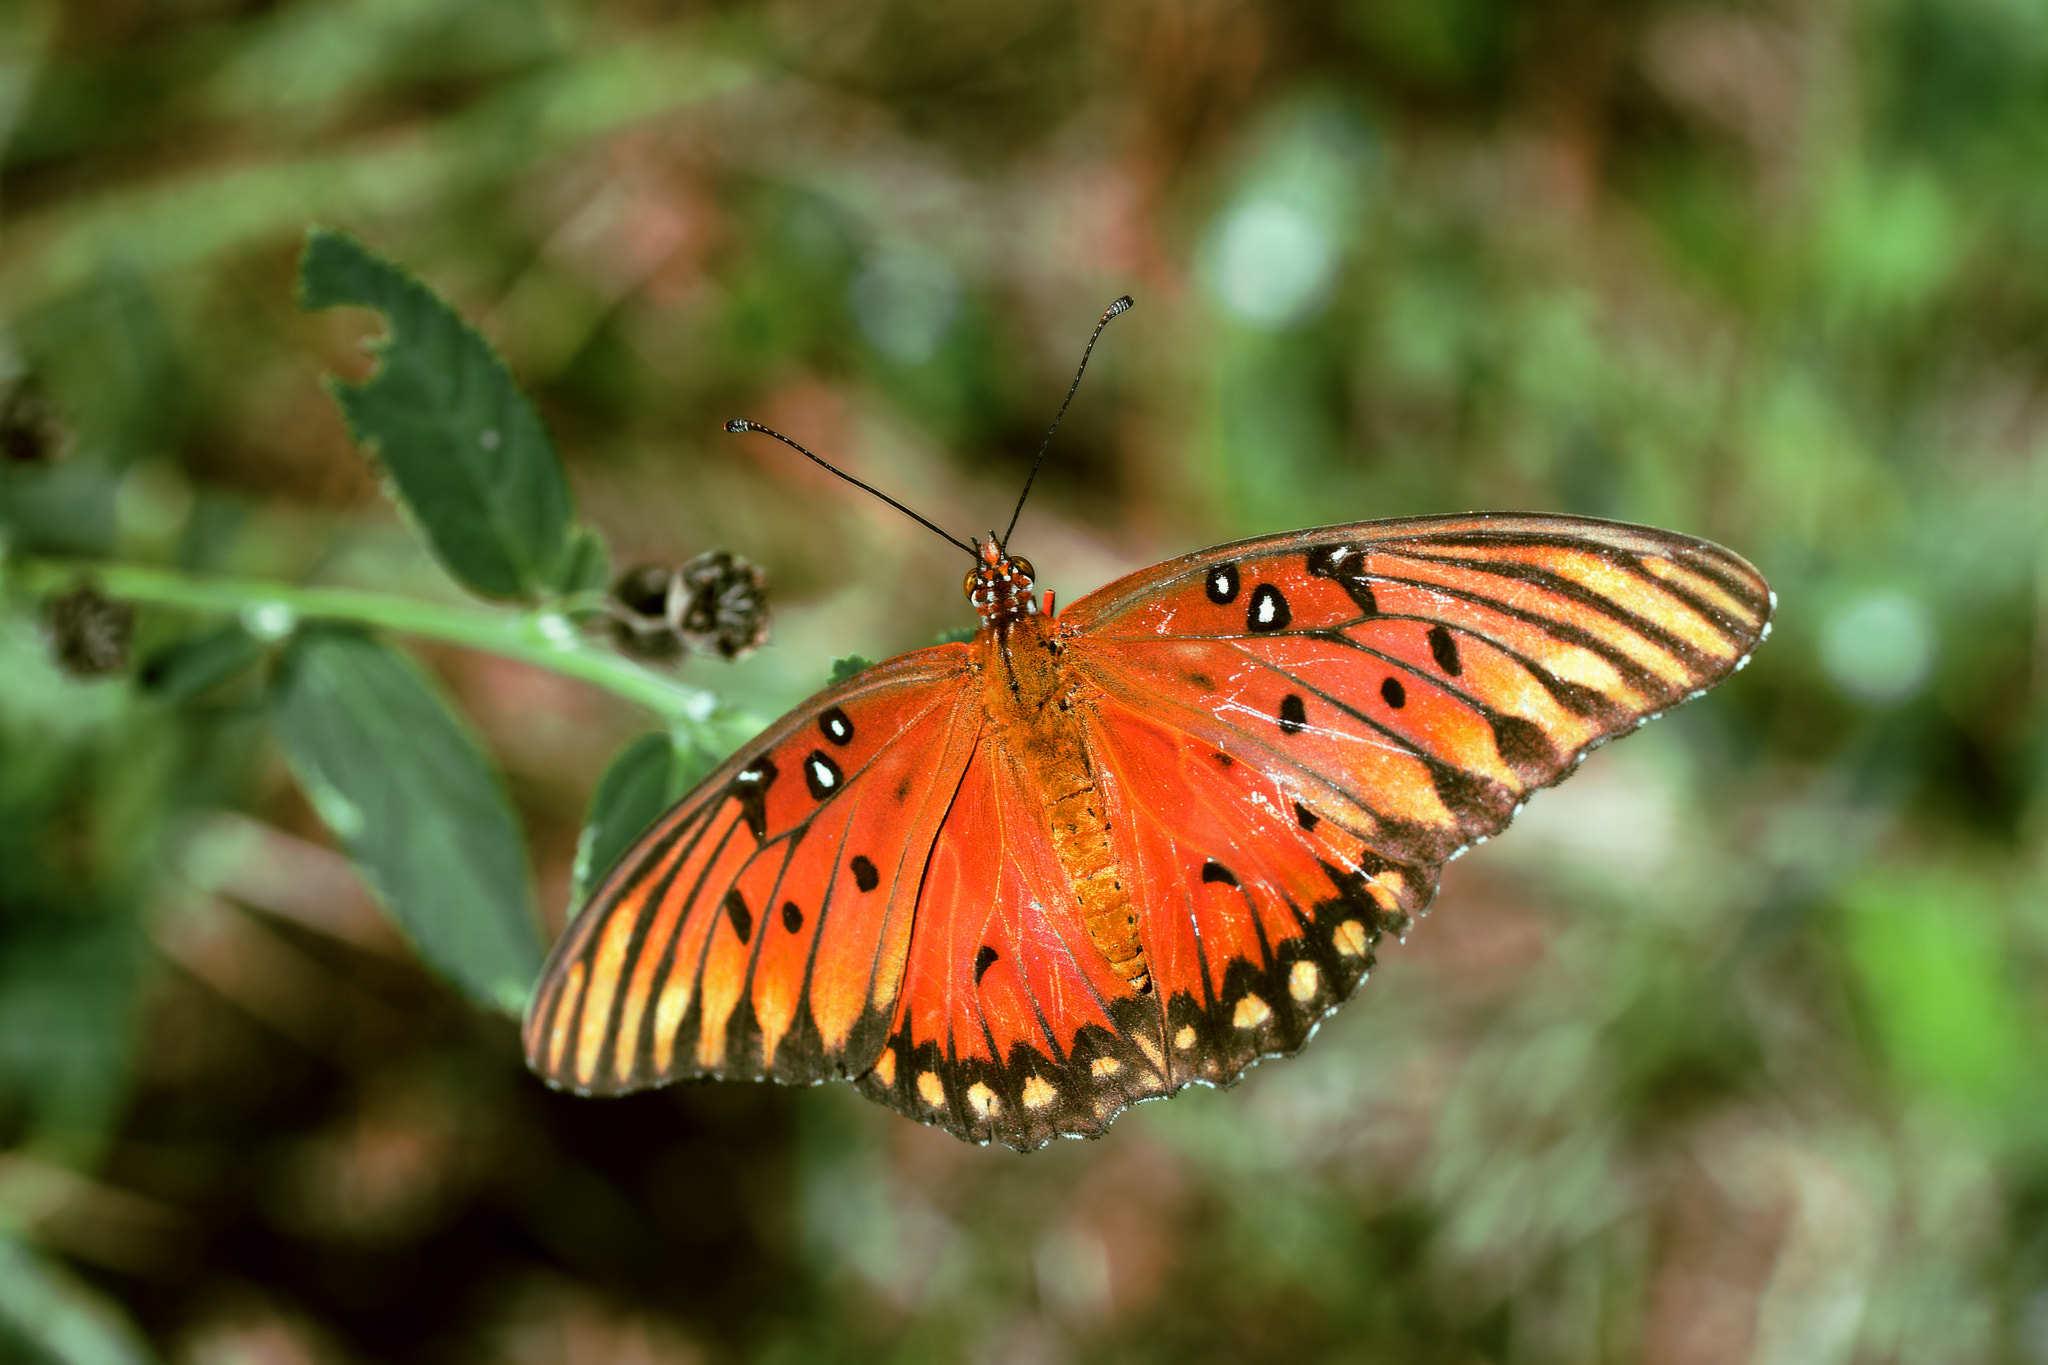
1260,917
759,928
1010,1027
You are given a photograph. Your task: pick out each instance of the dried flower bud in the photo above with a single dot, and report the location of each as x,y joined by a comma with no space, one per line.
31,429
642,623
716,603
89,633
726,605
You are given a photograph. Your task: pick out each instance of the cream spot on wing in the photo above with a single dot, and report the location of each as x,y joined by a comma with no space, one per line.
1185,1039
982,1100
1251,1012
930,1090
1350,938
1105,1066
1038,1093
885,1068
1388,900
1151,1050
1302,981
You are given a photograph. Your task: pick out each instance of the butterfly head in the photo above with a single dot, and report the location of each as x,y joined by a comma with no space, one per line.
999,584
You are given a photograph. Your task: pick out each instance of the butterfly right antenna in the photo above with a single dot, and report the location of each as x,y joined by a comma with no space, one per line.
1122,305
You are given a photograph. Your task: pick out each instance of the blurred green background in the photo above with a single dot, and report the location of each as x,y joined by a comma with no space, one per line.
1735,1049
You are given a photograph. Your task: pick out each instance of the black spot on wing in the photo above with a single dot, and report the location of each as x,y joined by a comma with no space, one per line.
864,875
1213,871
1222,584
1293,715
1305,817
832,722
741,917
822,775
1523,745
1342,564
1393,693
1268,610
792,918
1443,647
983,960
750,788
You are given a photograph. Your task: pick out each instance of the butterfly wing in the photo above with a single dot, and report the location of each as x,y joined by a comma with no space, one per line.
759,929
1295,732
1010,1026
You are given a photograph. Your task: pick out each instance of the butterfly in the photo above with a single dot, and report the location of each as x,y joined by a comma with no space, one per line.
1013,885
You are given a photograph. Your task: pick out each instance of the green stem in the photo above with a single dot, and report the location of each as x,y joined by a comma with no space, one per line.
269,610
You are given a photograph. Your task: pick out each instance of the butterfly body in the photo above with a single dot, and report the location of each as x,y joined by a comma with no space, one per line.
1014,885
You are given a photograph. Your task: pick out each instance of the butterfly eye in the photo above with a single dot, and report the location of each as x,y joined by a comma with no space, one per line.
968,584
1019,564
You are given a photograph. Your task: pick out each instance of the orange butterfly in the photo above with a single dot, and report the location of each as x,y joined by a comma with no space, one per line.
1012,886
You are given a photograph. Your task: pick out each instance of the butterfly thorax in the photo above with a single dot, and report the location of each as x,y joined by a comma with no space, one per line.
1034,701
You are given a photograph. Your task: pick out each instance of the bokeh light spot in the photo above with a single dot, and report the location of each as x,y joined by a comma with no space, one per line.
904,299
1879,647
1271,264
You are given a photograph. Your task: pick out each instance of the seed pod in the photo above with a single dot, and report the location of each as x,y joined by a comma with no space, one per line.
32,431
642,622
725,609
89,633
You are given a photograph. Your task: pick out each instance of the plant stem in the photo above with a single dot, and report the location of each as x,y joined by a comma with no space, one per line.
270,610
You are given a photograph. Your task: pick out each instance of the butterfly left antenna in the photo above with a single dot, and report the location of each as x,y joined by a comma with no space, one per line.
1122,305
739,425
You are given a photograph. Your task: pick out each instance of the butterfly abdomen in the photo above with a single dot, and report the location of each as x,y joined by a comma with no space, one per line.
1031,696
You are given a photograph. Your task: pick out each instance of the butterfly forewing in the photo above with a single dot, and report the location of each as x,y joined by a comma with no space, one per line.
759,928
1433,669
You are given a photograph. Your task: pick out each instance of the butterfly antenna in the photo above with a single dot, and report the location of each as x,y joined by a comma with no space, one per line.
740,424
1122,305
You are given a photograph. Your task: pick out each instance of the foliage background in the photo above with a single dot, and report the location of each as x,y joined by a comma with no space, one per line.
1732,1050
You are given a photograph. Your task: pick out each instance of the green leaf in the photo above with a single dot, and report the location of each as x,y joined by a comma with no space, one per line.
842,669
187,668
958,636
47,1316
646,778
403,786
467,454
1929,948
589,566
